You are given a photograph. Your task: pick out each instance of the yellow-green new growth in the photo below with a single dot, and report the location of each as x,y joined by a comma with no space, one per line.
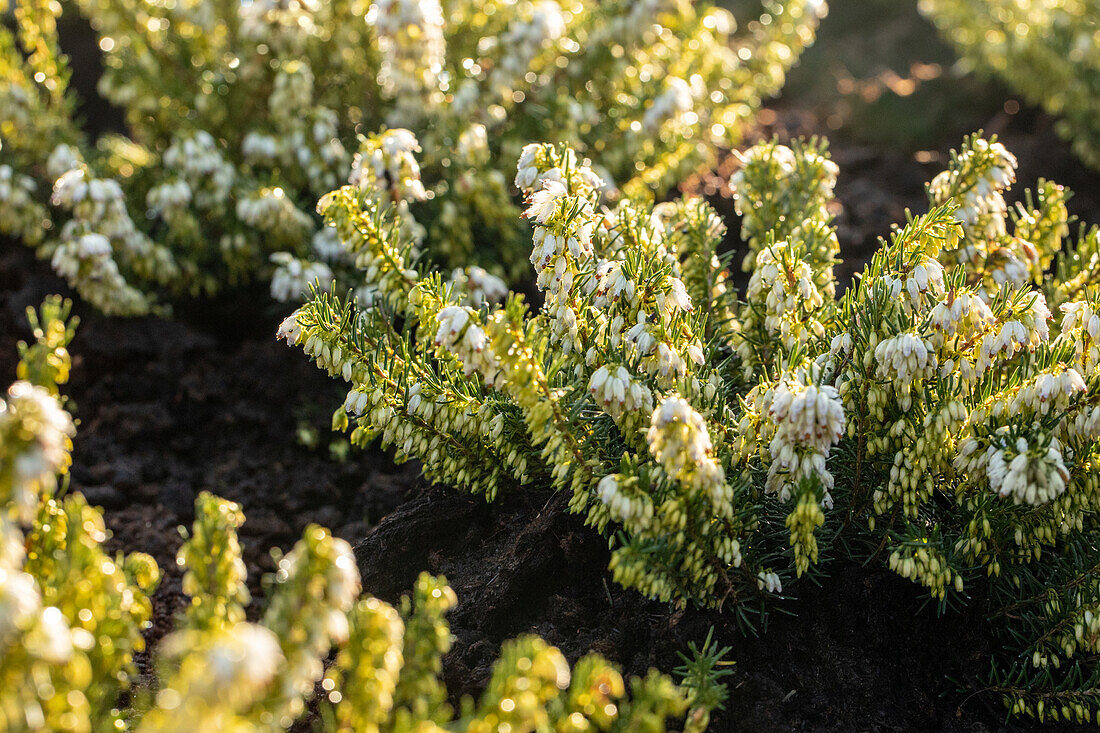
72,619
71,616
215,573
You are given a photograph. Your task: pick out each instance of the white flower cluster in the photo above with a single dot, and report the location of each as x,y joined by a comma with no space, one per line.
168,198
478,286
535,166
618,392
978,184
785,190
1026,330
784,284
786,162
678,436
543,205
342,586
290,329
93,248
277,20
293,277
531,158
923,282
784,196
1032,474
98,205
638,299
1049,391
306,133
960,313
324,583
769,581
523,41
16,99
257,146
413,50
19,599
15,190
20,214
43,633
63,158
674,104
386,168
679,441
333,358
26,626
808,420
388,164
197,160
292,94
770,158
473,145
630,27
1081,327
234,666
648,339
632,508
326,245
271,210
951,401
35,439
924,564
100,231
563,237
904,359
460,334
37,435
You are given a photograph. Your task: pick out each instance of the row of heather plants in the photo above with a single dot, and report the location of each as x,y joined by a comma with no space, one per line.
240,115
940,416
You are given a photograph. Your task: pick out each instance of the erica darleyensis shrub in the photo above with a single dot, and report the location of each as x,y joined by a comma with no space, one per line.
239,115
940,416
1048,50
72,617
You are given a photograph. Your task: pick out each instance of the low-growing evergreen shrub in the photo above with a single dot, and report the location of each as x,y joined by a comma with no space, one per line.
241,114
72,617
935,417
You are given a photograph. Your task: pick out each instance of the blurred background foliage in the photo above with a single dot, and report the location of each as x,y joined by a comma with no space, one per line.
880,74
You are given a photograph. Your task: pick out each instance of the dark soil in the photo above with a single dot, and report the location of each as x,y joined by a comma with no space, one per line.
210,401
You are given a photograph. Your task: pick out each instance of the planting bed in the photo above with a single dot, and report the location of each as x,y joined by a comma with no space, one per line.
209,400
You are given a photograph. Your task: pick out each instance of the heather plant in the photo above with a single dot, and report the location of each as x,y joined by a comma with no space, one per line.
239,115
931,417
72,618
1048,50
